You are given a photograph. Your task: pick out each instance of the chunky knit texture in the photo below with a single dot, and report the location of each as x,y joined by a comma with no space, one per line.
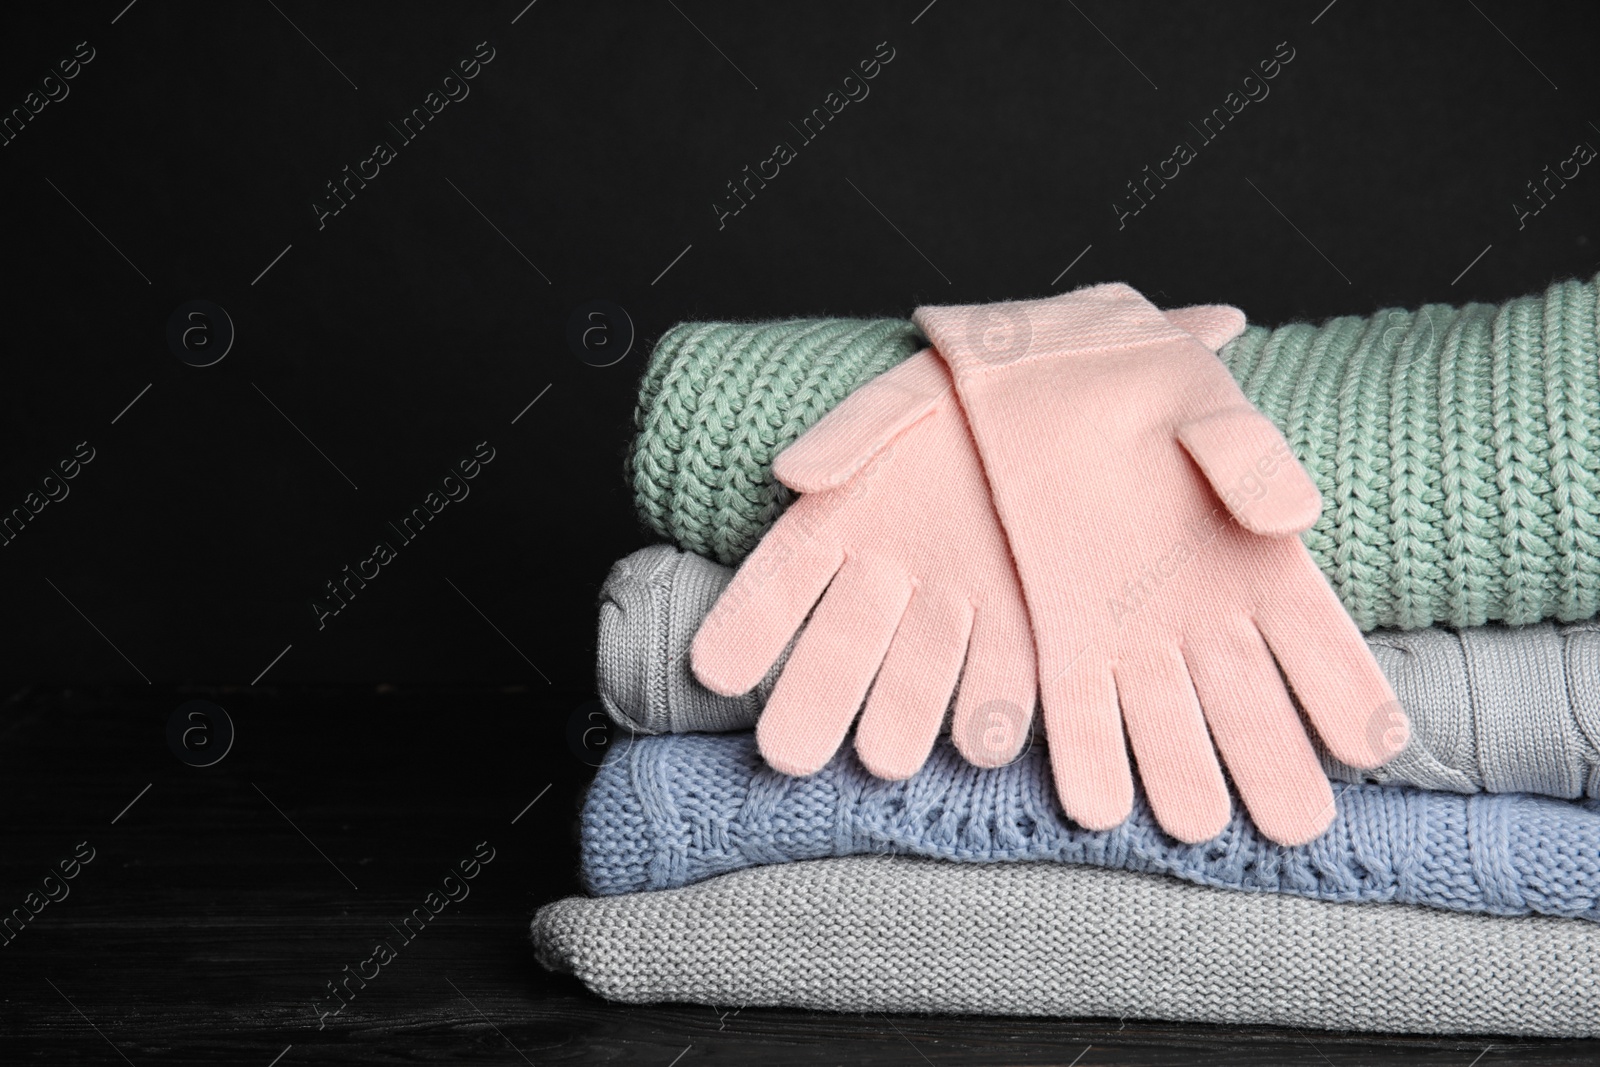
900,934
1492,708
668,811
1457,450
719,401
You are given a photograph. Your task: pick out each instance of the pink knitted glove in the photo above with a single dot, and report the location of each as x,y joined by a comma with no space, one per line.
897,526
896,511
1153,515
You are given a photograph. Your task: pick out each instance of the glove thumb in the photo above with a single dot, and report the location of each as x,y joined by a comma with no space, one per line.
847,438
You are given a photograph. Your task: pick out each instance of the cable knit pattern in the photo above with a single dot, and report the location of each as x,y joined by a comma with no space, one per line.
1455,448
1493,708
902,934
668,811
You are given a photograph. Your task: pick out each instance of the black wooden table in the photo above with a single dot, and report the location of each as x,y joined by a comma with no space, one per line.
220,902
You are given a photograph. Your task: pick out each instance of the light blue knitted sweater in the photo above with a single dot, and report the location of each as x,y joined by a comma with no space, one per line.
667,811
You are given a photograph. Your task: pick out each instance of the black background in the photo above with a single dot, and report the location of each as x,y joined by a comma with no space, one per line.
379,349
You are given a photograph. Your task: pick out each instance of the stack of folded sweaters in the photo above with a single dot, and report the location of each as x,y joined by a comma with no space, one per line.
1457,889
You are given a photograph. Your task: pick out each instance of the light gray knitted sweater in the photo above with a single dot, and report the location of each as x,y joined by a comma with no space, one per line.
899,934
1493,708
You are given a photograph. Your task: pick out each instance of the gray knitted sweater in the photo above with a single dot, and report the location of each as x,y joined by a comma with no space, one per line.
1493,708
898,934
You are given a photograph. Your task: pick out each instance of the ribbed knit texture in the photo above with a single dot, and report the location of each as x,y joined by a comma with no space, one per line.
899,934
671,810
1455,448
1496,708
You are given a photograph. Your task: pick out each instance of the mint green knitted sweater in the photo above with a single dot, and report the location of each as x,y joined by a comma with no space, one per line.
1457,449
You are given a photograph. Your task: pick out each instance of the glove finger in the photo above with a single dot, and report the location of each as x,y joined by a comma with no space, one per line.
1343,691
913,688
1259,733
1171,747
999,686
1088,755
764,605
828,674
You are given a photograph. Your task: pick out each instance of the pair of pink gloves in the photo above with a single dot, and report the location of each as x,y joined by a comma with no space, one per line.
1069,499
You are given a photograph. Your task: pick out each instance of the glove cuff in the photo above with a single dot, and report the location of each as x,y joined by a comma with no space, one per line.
975,338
